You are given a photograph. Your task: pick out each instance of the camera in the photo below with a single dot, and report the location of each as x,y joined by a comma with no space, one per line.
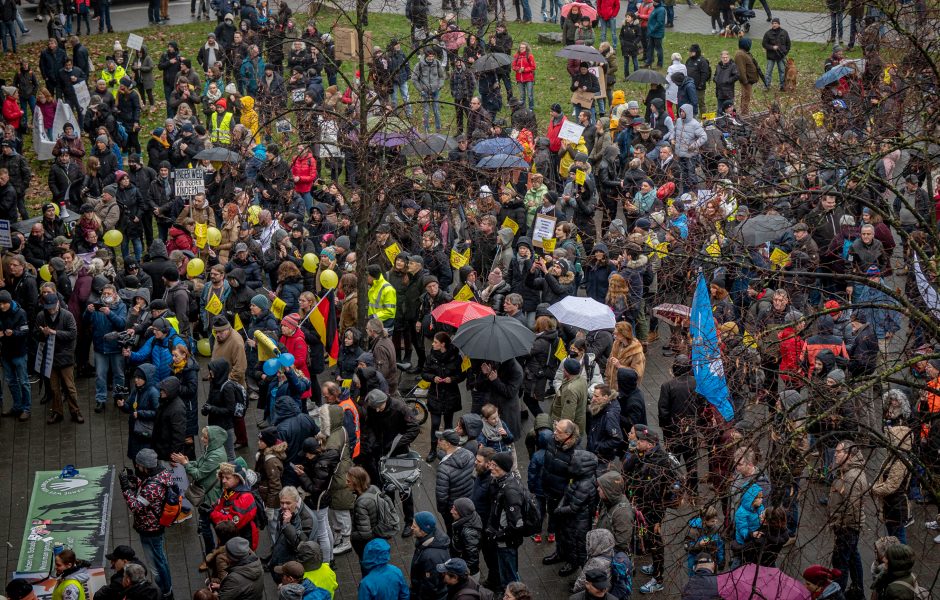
122,339
120,392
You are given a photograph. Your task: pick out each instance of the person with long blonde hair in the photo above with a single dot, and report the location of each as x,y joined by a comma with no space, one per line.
618,298
626,352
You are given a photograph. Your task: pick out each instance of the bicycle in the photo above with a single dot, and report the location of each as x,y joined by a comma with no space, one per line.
415,402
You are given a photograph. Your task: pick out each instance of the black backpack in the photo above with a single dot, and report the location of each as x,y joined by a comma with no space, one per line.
261,517
531,514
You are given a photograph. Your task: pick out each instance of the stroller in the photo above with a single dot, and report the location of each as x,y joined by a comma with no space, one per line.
742,19
400,473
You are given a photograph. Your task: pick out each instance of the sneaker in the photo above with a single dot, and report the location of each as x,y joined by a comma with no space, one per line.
647,569
934,525
537,538
99,407
343,547
551,538
936,540
652,586
33,379
184,515
24,416
406,532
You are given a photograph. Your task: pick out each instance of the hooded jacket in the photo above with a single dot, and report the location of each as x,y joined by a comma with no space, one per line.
600,551
382,581
604,435
689,135
430,551
169,426
204,470
726,74
14,320
220,404
630,399
847,494
146,399
245,580
454,478
615,512
293,426
746,515
891,483
467,534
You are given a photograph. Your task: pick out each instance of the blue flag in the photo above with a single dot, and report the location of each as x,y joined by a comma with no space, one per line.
706,355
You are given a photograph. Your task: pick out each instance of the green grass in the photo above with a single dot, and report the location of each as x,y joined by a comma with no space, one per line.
551,83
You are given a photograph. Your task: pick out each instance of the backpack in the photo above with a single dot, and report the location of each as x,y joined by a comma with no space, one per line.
388,523
920,592
531,514
621,576
171,505
121,132
261,517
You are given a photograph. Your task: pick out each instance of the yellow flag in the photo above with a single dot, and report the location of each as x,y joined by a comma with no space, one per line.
714,249
459,259
202,234
509,223
423,385
464,294
548,245
561,353
277,308
749,340
465,364
238,323
214,305
580,177
265,345
392,251
346,384
779,258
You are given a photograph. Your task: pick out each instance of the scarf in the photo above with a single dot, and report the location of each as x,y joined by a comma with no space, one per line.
178,366
490,432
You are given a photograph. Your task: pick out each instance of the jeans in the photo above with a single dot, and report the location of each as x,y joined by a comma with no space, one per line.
670,15
526,11
431,100
612,25
104,19
769,71
325,533
153,12
626,64
846,558
898,530
204,527
508,561
655,45
835,22
154,549
578,109
527,90
554,10
401,88
78,23
308,200
20,23
7,28
688,178
17,378
103,364
138,248
31,102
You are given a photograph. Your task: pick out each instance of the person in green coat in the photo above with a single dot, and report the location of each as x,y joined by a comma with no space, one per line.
342,499
203,474
571,401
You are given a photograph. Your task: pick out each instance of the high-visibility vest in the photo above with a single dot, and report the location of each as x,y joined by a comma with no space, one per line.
59,589
383,300
349,406
221,132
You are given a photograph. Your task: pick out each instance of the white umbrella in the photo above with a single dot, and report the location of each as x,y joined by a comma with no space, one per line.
583,313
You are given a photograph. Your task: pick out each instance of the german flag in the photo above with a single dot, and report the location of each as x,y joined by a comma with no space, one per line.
323,318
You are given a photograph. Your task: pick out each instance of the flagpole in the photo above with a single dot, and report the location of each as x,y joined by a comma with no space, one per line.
316,306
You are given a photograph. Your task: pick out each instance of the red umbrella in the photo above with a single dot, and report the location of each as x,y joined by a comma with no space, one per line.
457,313
675,314
586,10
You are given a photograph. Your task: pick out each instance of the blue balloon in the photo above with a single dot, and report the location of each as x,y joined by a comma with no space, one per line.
286,360
271,367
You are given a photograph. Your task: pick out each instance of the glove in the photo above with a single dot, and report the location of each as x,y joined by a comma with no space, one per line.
124,481
205,409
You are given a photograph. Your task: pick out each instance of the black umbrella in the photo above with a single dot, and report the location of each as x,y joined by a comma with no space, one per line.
582,53
494,338
647,76
219,154
432,145
491,61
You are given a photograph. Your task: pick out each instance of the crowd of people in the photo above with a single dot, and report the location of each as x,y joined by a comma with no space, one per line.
793,222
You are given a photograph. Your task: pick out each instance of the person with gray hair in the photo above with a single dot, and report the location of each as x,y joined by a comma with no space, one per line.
512,307
867,251
295,523
383,351
136,585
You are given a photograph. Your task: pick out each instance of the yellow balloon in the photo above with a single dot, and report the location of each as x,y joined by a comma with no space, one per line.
311,261
204,347
113,238
195,267
253,212
57,210
213,236
328,279
45,272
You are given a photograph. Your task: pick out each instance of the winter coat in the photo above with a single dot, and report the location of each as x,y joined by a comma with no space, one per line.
576,509
678,405
891,483
430,551
146,502
847,495
244,581
630,356
287,536
599,544
365,515
158,353
505,518
382,581
656,26
604,436
630,39
220,403
524,66
102,324
557,469
429,77
465,543
317,477
381,428
14,320
293,426
699,70
504,393
66,333
443,397
746,516
169,424
238,505
454,478
689,135
776,37
615,513
204,471
725,77
539,366
747,67
144,401
630,399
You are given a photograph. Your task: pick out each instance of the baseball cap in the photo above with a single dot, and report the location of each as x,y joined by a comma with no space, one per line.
454,566
450,436
292,568
121,552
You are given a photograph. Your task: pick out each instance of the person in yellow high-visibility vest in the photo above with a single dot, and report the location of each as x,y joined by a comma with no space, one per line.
221,123
72,576
383,299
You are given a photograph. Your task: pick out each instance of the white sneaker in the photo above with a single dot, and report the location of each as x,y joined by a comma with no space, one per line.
342,548
651,586
936,540
714,31
932,525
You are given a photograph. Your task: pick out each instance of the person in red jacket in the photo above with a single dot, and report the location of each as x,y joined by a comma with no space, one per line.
523,63
12,113
792,347
553,128
237,503
304,170
181,237
643,12
607,11
292,336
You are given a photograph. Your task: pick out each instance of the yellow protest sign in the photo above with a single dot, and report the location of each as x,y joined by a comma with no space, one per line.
346,384
779,258
277,308
202,234
459,259
465,364
580,177
423,385
510,224
561,353
714,248
465,294
238,323
214,305
392,251
709,116
548,245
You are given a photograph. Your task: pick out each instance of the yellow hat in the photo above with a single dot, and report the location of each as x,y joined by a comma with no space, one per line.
614,124
618,98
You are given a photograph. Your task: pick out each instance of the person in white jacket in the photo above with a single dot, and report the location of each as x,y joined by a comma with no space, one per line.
687,137
592,372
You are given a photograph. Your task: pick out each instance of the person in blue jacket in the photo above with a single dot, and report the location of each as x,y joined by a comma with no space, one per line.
141,409
106,314
382,581
747,521
14,325
157,350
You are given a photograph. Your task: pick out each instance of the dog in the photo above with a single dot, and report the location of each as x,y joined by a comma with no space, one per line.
790,76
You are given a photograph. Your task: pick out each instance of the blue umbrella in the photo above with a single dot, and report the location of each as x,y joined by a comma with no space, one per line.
502,161
498,145
833,75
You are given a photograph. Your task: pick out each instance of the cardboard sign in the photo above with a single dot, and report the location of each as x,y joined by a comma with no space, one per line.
601,80
570,131
347,43
134,41
82,93
543,228
580,177
189,182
